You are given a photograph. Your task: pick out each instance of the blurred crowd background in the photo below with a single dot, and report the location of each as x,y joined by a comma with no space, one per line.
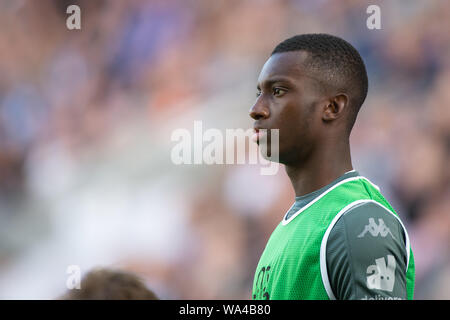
86,118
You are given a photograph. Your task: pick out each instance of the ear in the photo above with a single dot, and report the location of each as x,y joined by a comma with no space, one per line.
335,107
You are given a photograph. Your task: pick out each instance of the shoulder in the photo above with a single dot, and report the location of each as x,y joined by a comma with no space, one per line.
370,225
367,223
365,235
370,219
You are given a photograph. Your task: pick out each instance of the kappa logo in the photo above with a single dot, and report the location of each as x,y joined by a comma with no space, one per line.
375,230
381,276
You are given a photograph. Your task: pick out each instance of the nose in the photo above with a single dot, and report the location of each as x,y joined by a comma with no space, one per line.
259,110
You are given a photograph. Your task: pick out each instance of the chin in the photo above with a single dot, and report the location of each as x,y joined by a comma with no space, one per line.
270,153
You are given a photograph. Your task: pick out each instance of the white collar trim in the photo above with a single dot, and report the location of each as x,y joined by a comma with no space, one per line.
286,221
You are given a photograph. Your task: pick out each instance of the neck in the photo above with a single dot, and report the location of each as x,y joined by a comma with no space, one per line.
324,166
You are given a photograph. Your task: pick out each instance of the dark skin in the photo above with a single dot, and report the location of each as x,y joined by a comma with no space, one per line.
312,118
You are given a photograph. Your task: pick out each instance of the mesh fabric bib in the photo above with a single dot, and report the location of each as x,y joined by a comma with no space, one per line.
293,264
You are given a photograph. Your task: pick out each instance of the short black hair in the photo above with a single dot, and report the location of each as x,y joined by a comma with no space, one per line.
337,62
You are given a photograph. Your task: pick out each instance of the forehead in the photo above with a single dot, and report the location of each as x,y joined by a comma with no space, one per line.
288,65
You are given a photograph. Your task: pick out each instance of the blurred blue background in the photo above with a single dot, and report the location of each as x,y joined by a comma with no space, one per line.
86,118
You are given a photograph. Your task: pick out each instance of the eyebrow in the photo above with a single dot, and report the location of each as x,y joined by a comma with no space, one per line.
271,81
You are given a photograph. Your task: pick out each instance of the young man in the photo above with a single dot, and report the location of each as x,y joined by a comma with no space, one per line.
340,239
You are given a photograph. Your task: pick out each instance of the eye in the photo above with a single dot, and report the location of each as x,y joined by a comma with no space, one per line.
278,91
258,93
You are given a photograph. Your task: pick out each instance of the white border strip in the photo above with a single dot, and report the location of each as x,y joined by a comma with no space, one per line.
286,221
323,246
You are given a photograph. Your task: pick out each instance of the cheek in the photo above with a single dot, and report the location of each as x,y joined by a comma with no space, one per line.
297,128
294,120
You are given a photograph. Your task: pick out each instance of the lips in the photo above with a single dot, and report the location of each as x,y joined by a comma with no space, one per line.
257,134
